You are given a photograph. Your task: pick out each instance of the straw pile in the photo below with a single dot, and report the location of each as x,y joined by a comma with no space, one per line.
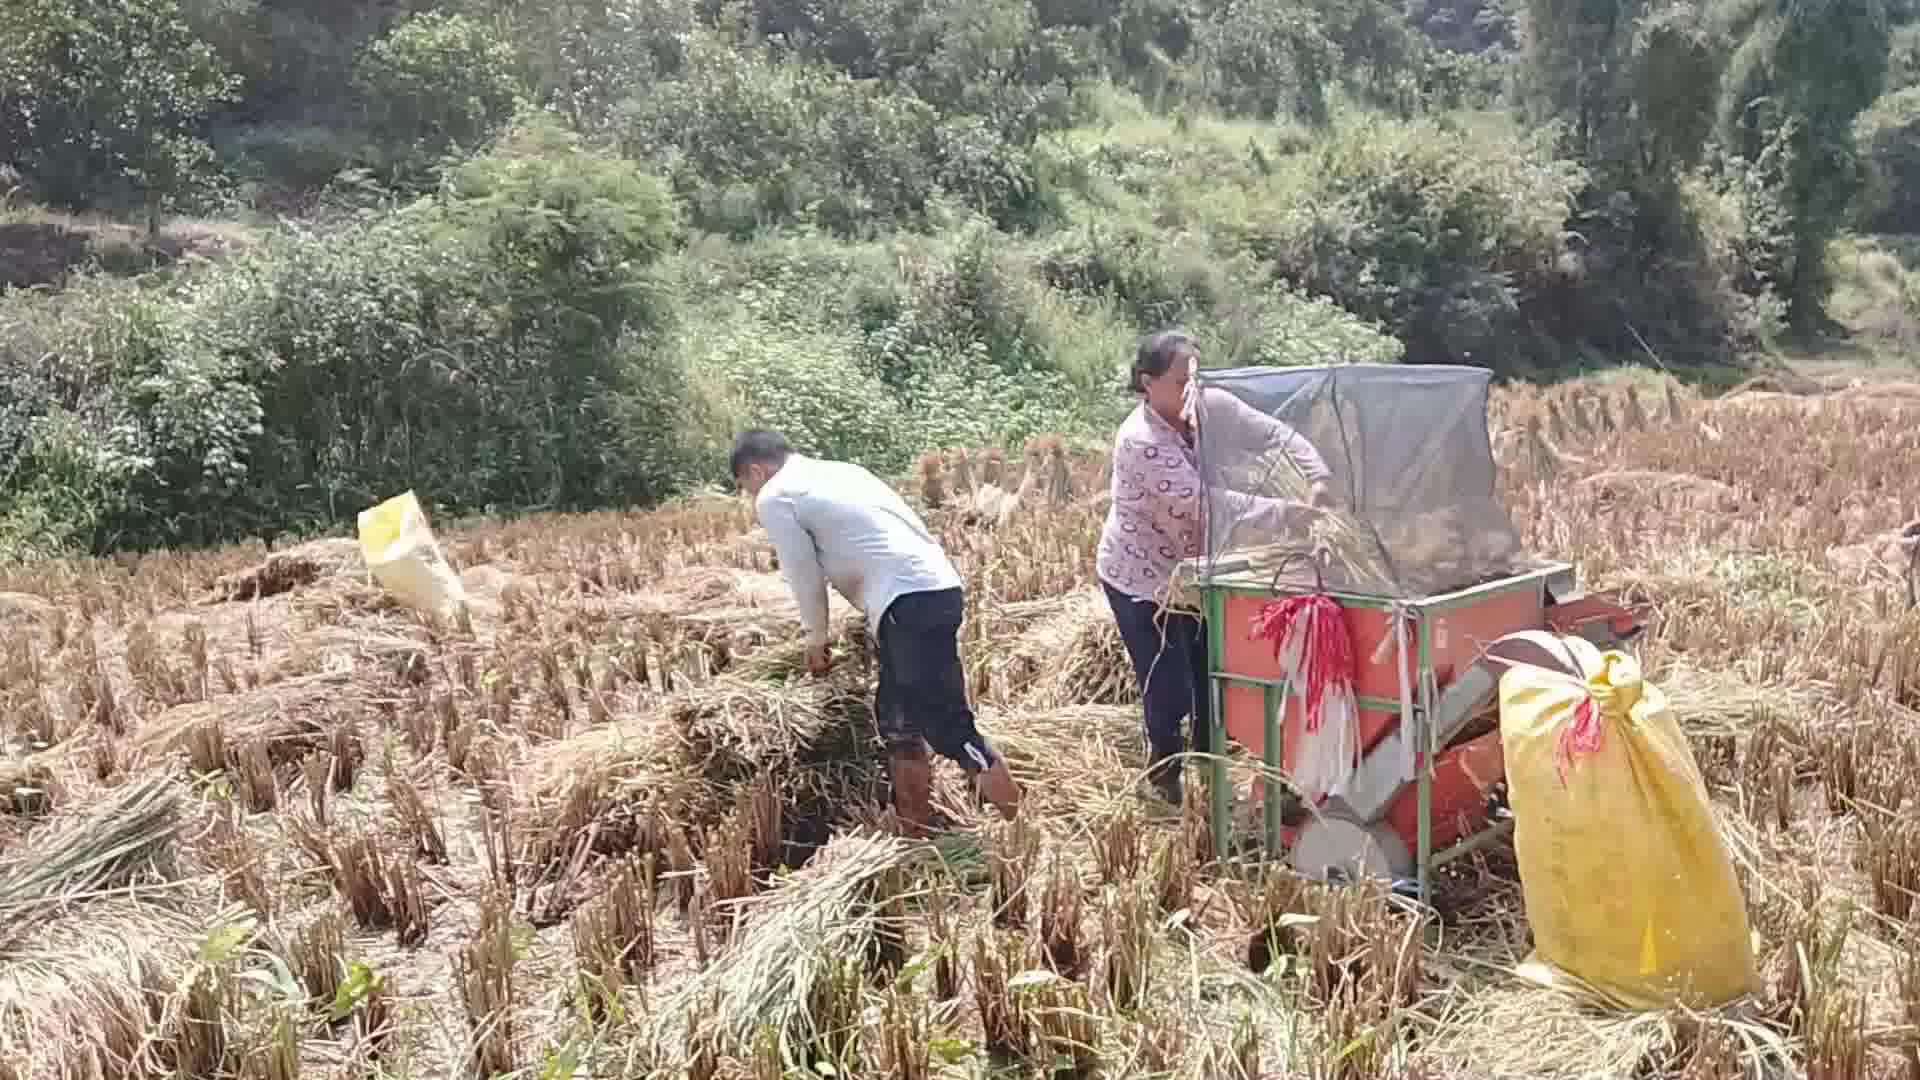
623,785
1676,490
1072,760
284,571
107,992
1073,655
125,837
24,608
288,718
92,983
797,972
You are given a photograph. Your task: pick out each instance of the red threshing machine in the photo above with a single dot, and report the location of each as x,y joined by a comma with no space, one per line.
1431,583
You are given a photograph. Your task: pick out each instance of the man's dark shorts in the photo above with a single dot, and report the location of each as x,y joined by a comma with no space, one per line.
923,686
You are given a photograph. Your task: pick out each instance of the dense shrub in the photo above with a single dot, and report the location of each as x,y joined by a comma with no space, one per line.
437,82
806,382
1441,232
1877,288
753,139
103,104
749,140
497,347
1888,138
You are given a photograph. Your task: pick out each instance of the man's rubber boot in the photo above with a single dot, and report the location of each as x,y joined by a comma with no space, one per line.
913,792
997,786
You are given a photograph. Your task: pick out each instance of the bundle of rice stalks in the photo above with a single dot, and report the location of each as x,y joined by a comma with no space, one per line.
483,970
611,789
783,973
1059,470
1663,489
693,590
933,485
963,480
1538,461
114,990
1073,656
628,788
291,718
1074,761
1633,416
787,660
1347,547
130,835
26,609
284,571
734,729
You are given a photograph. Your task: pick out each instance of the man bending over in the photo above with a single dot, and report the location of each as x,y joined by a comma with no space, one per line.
836,522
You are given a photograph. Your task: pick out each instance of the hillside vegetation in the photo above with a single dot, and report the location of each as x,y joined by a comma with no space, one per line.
294,256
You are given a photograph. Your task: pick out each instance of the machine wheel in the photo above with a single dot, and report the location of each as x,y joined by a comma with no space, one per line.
1344,848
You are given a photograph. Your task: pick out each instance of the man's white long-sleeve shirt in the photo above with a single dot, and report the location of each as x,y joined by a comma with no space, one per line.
834,522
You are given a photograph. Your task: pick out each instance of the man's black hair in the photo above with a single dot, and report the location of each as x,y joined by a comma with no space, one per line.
1156,355
758,447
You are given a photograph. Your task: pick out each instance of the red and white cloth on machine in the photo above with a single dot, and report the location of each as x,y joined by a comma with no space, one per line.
1315,651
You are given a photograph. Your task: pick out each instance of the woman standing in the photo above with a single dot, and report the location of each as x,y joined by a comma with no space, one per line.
1157,519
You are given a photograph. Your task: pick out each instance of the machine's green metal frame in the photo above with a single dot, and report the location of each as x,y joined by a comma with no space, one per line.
1226,579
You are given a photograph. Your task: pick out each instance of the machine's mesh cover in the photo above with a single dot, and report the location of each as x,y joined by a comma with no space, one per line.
1418,512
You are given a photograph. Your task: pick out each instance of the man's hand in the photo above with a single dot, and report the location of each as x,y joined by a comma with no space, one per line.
819,660
1322,496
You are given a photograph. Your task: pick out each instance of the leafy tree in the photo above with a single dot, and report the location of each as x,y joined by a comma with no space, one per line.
106,97
1804,70
1632,85
585,56
438,82
1887,137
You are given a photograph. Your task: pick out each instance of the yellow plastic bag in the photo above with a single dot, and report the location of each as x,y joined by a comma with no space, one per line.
403,556
1629,887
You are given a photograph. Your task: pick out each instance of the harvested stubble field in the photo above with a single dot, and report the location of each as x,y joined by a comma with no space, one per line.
257,821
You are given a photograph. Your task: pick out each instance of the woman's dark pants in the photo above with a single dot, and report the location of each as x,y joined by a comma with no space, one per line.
1169,654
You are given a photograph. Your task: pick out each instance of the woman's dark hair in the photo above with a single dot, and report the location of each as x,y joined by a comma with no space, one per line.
1156,354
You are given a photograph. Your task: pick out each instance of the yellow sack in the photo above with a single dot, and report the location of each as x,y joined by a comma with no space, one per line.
403,556
1629,887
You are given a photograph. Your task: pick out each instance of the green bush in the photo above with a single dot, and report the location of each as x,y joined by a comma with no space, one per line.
1888,139
807,383
1876,288
103,105
1744,235
584,59
128,427
292,160
753,139
437,82
499,346
749,140
1442,232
